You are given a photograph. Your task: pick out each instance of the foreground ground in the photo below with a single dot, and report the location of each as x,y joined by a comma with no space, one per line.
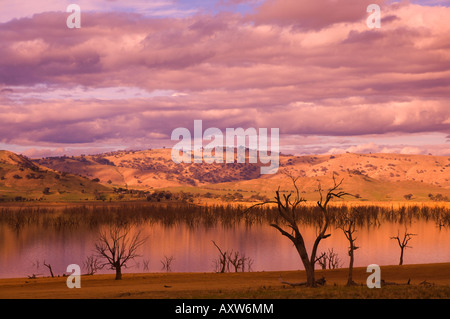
239,285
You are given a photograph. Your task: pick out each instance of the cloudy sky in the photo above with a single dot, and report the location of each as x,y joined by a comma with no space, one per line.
136,70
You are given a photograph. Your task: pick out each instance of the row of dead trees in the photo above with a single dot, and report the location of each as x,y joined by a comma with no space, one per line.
229,261
117,246
287,206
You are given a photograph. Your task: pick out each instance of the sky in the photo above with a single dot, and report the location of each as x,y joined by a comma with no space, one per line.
136,70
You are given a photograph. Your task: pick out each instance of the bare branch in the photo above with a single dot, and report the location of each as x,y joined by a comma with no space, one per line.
92,264
283,232
118,248
403,243
49,268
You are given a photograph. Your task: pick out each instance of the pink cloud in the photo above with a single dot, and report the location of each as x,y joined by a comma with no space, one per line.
312,14
229,70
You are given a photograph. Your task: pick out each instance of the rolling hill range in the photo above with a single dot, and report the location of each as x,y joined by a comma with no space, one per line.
22,179
150,169
374,177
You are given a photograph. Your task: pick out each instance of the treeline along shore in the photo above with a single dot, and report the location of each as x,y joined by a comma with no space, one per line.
171,214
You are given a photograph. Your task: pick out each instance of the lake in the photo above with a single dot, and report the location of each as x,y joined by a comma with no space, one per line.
23,251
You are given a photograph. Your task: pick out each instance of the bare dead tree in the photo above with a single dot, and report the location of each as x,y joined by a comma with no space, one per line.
403,243
287,210
222,261
249,265
236,261
146,263
232,259
322,260
167,263
92,264
117,247
329,260
239,261
347,224
49,268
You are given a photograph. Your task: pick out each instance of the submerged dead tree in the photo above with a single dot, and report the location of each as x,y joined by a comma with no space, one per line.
117,247
403,243
288,211
92,264
347,224
229,259
221,262
167,263
49,268
329,260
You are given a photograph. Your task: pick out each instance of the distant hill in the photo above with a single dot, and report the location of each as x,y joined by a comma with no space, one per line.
150,169
374,177
22,179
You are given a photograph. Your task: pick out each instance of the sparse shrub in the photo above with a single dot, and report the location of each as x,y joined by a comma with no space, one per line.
408,196
438,198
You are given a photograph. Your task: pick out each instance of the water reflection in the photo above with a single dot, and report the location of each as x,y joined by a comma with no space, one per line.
22,252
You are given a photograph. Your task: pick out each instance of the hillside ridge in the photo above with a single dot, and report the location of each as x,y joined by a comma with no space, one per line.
379,176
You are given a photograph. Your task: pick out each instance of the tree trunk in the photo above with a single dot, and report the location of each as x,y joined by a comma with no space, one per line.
310,276
401,257
118,273
350,269
50,269
309,267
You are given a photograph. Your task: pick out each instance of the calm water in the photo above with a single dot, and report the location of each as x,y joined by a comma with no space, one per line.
23,253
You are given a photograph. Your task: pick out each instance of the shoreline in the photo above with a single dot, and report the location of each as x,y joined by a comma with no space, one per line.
426,280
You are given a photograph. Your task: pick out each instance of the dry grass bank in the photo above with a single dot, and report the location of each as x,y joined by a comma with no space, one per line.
238,285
